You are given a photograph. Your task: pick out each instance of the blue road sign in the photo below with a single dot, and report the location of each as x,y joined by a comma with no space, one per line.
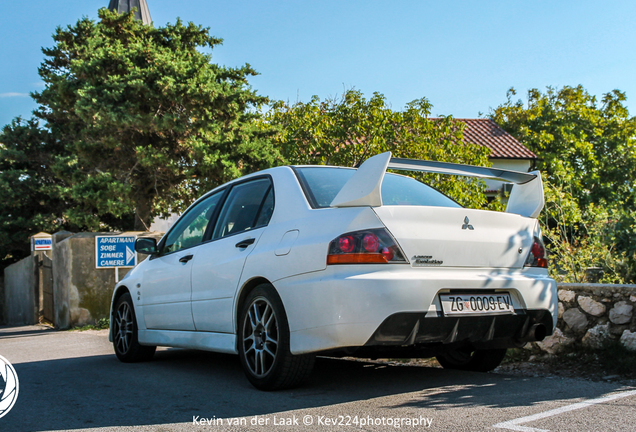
115,251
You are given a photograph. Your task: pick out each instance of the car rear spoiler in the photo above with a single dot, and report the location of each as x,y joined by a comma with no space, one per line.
364,188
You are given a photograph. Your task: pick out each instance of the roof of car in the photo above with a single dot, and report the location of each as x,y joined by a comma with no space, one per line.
319,166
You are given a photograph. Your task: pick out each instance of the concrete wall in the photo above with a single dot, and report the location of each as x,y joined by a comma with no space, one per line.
61,278
82,293
3,312
593,315
163,225
20,292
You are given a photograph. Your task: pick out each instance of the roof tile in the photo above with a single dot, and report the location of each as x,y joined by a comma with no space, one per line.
487,133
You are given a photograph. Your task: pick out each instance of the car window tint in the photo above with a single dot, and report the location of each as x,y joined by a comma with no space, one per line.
321,186
241,208
189,229
267,209
401,190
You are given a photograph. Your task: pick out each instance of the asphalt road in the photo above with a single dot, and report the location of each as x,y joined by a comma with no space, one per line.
73,381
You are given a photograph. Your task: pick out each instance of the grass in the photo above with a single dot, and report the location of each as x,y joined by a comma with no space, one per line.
101,324
515,355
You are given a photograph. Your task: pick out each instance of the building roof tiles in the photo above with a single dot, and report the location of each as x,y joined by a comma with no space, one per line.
502,145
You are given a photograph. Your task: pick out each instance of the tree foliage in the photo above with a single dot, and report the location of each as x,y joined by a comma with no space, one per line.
147,121
588,146
348,130
587,152
29,193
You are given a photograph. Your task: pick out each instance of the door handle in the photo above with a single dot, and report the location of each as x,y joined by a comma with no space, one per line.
186,258
245,243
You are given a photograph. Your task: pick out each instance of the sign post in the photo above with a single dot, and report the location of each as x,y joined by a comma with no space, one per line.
115,251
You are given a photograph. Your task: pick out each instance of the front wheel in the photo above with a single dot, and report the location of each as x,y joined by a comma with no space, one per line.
472,360
125,342
264,343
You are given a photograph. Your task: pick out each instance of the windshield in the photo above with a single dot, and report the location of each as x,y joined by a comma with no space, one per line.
321,185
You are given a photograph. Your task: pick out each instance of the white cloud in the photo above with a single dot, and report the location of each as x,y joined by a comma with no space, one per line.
4,95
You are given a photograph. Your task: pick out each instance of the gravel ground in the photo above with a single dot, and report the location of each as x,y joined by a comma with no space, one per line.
524,363
586,365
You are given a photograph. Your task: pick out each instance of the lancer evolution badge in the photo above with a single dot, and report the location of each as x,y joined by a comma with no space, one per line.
467,224
425,260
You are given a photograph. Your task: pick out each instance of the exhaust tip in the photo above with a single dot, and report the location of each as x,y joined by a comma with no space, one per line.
536,333
540,332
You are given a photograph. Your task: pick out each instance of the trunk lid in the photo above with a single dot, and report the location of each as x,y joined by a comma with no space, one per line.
458,237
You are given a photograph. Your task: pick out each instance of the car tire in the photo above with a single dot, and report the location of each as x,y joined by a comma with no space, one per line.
125,332
472,360
263,343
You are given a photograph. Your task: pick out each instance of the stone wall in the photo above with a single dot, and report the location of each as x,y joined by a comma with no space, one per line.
592,316
62,257
19,292
82,292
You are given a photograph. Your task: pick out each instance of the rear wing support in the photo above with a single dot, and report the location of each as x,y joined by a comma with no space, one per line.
365,186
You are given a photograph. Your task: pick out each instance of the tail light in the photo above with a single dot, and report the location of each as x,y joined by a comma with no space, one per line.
375,246
537,256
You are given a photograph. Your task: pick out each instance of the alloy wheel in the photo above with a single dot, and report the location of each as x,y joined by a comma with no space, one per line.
260,337
123,328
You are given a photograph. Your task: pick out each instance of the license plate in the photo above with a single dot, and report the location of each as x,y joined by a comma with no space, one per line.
481,304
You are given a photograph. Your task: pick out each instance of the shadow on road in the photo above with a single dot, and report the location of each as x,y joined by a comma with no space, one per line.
99,391
15,332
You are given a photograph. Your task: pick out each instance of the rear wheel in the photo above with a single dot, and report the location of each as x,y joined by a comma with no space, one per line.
125,342
264,343
472,360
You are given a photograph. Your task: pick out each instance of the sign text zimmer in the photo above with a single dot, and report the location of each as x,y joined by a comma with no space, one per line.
115,251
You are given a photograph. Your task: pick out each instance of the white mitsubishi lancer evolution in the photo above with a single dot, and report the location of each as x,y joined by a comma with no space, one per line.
297,261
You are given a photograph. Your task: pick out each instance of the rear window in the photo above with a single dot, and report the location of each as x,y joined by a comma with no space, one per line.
321,185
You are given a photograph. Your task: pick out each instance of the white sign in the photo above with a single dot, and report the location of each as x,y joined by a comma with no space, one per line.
42,244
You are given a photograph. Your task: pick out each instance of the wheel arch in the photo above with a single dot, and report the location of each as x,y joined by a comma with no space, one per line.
120,291
247,287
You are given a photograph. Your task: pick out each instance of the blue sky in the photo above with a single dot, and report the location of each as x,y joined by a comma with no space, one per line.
462,55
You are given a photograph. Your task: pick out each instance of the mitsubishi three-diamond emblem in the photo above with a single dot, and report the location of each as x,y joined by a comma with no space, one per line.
467,224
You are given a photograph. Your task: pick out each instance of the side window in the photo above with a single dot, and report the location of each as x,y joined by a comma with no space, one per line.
244,206
190,229
267,209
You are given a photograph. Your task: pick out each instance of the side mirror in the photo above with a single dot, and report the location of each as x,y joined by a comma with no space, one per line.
146,246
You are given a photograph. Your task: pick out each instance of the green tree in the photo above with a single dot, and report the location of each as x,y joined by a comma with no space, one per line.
583,241
148,122
347,130
585,145
29,192
587,153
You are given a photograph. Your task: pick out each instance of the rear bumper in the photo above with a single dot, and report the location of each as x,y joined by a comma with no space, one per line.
374,306
404,329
